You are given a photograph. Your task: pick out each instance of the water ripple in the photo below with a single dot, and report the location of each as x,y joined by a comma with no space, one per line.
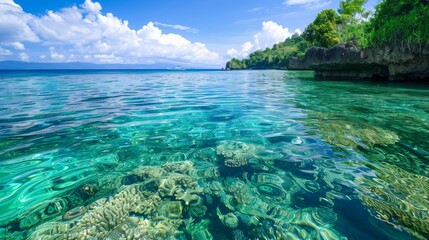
324,141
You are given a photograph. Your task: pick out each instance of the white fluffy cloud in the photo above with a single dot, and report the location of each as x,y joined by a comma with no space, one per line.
310,4
246,49
17,45
14,24
270,34
85,34
24,57
5,52
91,7
55,55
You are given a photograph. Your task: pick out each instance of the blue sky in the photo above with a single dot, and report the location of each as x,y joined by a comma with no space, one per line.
188,32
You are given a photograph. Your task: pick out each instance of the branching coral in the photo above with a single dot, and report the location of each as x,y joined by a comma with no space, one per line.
139,211
167,202
103,219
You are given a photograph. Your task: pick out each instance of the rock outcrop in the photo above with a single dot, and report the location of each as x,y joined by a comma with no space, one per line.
346,61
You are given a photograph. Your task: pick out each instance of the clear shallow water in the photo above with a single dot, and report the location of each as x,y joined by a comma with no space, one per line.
275,155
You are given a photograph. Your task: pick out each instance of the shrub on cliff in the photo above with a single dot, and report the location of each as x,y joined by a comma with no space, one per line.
400,21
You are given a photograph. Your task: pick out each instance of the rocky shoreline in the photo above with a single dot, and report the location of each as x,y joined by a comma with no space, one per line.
346,61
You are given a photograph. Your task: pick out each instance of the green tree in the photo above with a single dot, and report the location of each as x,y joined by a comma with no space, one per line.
352,25
323,31
400,21
235,64
352,10
275,57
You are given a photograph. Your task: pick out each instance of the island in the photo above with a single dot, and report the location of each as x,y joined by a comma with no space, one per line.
352,43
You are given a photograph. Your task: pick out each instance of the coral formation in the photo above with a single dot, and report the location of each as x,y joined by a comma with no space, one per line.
347,134
175,201
235,150
400,197
170,209
235,163
88,190
228,220
189,195
167,202
197,209
141,210
198,231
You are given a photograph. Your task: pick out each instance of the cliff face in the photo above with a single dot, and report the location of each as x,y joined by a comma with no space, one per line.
348,62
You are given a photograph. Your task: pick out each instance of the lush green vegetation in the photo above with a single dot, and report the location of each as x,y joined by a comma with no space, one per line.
323,31
349,23
404,22
353,22
394,21
400,21
275,57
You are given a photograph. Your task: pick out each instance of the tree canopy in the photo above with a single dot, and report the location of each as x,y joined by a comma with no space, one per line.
323,30
400,21
404,22
352,9
275,57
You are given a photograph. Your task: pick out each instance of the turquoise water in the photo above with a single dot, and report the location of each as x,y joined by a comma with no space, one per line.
209,154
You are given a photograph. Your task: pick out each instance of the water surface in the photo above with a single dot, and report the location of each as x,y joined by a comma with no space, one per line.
275,155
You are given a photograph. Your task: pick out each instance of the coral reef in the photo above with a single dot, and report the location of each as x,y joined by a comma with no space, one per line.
142,210
168,202
228,220
198,231
346,134
234,163
400,197
175,201
235,151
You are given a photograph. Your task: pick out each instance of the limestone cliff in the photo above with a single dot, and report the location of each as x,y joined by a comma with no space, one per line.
346,61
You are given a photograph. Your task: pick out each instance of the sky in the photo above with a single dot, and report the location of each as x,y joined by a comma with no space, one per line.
188,33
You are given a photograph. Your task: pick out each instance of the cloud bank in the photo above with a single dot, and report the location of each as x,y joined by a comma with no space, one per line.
84,33
270,34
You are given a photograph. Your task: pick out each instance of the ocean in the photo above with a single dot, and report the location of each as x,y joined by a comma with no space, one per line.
163,154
